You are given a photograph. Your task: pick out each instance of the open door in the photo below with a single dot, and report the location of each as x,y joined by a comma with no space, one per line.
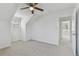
73,34
77,32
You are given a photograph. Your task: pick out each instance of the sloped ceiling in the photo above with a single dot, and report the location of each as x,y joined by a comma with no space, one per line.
57,6
54,7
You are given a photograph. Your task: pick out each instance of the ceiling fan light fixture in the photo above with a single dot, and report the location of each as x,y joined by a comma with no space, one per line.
31,8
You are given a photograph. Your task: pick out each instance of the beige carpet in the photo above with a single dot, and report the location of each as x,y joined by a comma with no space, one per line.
35,48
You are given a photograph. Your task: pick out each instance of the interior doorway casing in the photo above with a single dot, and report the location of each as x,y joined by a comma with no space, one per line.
65,18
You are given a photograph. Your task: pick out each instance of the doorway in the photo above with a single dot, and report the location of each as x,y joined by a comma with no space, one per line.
65,32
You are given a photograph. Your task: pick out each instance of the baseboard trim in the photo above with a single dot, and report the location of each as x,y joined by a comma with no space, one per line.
45,42
6,46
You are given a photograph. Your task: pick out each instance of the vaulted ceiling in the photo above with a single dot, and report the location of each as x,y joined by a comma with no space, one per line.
56,6
48,7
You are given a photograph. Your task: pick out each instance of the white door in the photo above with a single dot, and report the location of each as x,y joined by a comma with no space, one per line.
74,32
77,31
16,29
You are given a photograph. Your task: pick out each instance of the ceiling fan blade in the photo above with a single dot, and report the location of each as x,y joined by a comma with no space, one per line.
27,4
38,8
35,4
32,11
31,4
24,8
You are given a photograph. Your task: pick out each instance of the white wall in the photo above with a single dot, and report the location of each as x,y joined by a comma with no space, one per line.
20,32
24,22
45,27
6,14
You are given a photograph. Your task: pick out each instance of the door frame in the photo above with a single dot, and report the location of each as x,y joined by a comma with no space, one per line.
60,20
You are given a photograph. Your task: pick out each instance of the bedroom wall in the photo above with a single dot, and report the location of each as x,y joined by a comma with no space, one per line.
45,27
24,22
6,13
22,17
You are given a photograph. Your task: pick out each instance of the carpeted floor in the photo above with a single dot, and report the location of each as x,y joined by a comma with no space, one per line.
35,48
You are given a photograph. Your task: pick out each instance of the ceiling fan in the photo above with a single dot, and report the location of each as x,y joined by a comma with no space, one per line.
32,7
